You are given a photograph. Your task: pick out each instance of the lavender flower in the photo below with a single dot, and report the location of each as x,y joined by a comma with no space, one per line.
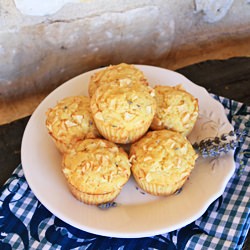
214,147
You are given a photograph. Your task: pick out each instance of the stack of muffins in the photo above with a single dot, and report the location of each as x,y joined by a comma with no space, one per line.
124,109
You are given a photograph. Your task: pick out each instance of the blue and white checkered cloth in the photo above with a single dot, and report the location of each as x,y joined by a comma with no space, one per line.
26,224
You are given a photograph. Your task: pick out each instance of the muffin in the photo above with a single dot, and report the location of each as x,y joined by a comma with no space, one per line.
123,112
177,109
70,121
122,72
162,161
96,170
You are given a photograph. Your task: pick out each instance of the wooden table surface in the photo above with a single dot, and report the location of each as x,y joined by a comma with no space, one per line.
229,78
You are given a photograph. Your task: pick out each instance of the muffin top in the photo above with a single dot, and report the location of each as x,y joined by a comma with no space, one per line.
177,109
123,105
71,120
162,157
96,166
122,72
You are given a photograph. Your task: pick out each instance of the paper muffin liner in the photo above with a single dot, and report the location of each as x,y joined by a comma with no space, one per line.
66,147
159,190
118,135
188,129
93,199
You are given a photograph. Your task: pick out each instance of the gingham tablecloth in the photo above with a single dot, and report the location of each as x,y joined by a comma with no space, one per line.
26,224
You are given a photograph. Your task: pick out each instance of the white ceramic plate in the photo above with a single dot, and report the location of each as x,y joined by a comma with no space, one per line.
137,214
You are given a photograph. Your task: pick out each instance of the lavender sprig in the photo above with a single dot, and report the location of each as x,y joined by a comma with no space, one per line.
214,147
107,205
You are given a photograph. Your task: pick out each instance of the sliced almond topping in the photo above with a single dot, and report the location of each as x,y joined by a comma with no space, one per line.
148,177
66,171
113,149
87,164
98,156
105,159
179,163
159,123
99,116
148,158
70,124
194,115
152,93
128,116
125,81
172,145
186,117
112,103
134,97
98,169
133,157
78,118
102,144
148,109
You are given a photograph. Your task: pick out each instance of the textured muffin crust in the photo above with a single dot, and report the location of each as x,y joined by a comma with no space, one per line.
162,161
96,170
71,120
177,110
122,72
123,111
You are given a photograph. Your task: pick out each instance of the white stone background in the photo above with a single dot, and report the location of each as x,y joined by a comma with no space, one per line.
44,43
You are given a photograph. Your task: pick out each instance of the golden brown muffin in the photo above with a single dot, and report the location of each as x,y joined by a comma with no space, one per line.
162,161
177,109
122,72
123,112
96,170
71,120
